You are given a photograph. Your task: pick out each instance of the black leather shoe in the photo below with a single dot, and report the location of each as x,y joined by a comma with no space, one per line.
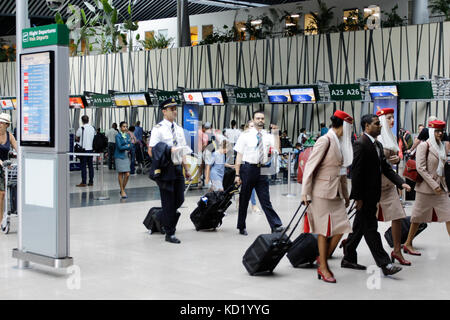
243,232
172,239
390,269
278,229
352,265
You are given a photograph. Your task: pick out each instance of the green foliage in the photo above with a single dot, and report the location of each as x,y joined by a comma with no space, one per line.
7,52
322,19
355,21
221,36
259,31
392,19
157,42
440,7
98,25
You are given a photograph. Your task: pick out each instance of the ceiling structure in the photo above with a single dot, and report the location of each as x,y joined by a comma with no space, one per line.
41,14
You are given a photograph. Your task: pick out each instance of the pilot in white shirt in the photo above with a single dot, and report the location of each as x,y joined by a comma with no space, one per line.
253,148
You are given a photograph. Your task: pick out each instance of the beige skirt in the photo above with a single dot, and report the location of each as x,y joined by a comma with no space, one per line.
431,208
327,217
390,208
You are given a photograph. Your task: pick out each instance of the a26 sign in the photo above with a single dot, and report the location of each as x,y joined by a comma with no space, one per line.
344,92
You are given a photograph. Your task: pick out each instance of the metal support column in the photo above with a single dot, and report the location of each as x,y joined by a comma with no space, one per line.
22,22
184,28
407,120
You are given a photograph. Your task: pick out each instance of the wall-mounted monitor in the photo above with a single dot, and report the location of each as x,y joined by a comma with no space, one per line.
193,97
214,97
138,99
77,102
383,91
37,89
302,95
122,100
7,104
279,95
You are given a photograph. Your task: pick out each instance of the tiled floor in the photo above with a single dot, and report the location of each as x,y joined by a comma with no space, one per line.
118,259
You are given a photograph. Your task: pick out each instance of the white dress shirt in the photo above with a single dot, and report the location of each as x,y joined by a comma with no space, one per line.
232,134
162,132
86,137
247,145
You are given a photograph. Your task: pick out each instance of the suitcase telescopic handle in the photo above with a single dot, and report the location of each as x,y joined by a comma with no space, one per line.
292,220
352,207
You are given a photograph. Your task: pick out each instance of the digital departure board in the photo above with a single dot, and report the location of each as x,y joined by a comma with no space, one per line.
37,98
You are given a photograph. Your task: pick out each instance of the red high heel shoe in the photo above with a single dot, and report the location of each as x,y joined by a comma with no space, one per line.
320,276
402,261
413,253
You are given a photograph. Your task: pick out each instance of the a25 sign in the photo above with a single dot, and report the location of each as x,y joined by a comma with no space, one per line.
344,92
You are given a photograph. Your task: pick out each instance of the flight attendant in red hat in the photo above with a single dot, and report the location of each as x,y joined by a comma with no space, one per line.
325,187
432,202
390,207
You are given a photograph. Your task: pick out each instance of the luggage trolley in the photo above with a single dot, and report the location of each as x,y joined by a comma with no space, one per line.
10,201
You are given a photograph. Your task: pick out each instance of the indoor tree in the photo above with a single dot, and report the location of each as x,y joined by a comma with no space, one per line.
441,7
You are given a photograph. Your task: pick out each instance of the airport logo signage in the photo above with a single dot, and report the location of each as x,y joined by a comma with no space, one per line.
54,34
345,92
252,95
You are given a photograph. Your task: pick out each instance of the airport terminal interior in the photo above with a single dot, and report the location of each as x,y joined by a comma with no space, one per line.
133,63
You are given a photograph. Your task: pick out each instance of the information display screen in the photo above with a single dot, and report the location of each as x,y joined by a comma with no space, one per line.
213,97
37,98
122,100
76,102
279,95
383,91
303,95
6,103
190,97
138,99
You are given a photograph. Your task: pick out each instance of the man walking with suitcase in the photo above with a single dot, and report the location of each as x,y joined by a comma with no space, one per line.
171,179
369,162
253,148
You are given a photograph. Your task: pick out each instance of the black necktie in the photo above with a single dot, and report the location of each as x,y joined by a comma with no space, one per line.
174,136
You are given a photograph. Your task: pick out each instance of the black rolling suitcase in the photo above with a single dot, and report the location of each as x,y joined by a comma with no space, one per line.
304,250
406,223
211,208
268,249
228,178
153,220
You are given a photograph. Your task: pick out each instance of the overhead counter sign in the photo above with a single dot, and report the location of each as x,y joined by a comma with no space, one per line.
54,34
251,95
345,92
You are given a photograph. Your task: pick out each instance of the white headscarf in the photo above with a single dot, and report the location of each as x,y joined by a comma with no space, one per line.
386,137
440,149
345,146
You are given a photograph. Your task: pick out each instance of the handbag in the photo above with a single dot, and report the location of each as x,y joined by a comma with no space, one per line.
79,148
410,171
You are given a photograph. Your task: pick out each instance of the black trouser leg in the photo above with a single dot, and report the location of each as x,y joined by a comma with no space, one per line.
366,225
262,190
170,202
247,174
90,163
373,238
83,161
